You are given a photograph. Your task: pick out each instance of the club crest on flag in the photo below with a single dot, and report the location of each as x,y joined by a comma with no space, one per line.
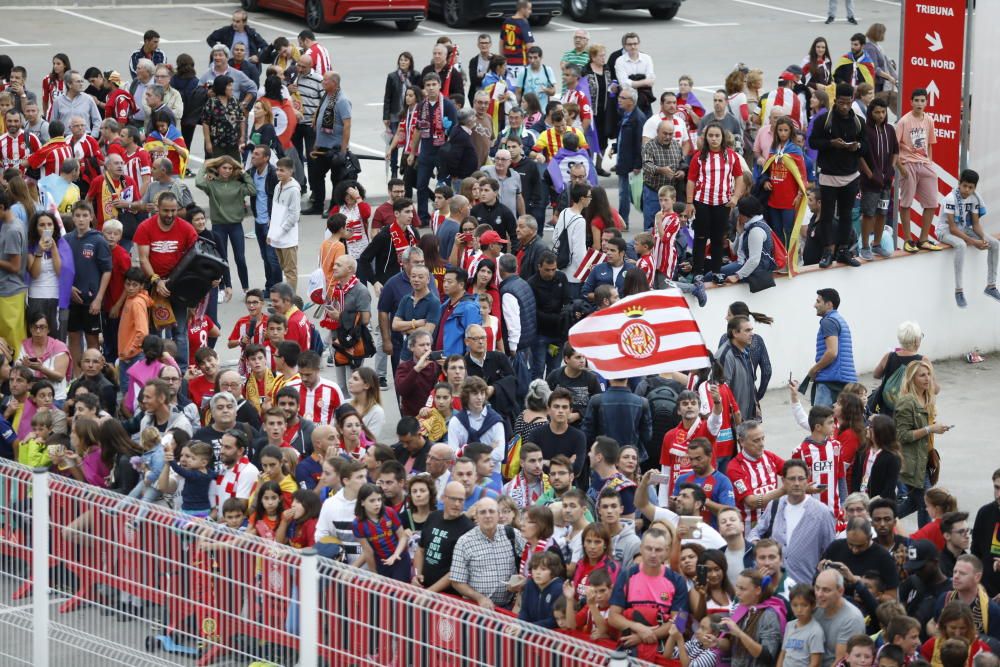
643,334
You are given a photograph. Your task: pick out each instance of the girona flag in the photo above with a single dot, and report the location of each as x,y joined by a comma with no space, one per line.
643,334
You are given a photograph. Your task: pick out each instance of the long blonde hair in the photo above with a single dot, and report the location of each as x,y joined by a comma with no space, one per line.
214,164
909,385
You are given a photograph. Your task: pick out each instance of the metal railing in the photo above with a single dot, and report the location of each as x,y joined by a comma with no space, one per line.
126,582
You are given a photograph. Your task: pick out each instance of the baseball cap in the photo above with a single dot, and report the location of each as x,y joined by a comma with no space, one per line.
919,553
115,78
489,237
787,76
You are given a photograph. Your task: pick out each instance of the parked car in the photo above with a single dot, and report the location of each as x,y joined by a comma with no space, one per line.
458,13
587,11
321,15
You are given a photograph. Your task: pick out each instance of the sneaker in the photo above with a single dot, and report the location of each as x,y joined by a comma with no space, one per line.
826,260
330,363
960,299
974,357
911,247
383,384
699,293
852,20
866,254
930,245
880,251
829,20
252,234
845,257
992,292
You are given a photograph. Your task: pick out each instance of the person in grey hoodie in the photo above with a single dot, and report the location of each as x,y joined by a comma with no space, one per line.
624,542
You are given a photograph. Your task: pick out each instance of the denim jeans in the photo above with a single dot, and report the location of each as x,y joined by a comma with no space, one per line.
272,270
179,331
650,207
624,197
826,393
914,502
832,8
234,233
426,165
782,221
542,360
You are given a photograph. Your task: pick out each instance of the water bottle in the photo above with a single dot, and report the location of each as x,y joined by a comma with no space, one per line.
619,658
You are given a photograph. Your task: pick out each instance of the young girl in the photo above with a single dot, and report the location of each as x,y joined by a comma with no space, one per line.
757,623
542,589
485,281
849,412
596,554
955,622
195,467
34,448
354,437
716,596
699,651
274,469
382,535
266,511
785,196
491,323
803,645
50,265
150,464
298,522
349,199
628,462
404,136
227,186
436,421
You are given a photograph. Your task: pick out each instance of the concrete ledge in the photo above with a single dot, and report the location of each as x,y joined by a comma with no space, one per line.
875,298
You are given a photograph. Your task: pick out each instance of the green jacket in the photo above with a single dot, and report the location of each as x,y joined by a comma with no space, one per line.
911,416
226,199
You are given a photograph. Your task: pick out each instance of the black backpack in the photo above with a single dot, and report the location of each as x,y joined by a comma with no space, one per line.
562,249
663,408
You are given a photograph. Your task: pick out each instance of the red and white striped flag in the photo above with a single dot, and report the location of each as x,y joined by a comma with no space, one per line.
591,259
643,334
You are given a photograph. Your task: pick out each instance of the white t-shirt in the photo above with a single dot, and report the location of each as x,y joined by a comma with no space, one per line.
237,482
961,209
793,514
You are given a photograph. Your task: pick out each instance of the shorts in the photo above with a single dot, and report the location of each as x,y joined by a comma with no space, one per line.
876,203
921,183
80,319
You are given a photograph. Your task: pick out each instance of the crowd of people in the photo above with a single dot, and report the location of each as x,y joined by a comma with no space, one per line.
643,513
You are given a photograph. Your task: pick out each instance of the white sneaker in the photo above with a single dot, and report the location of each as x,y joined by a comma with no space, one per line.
252,234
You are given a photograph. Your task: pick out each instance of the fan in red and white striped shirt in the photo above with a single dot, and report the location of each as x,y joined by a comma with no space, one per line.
50,158
713,173
753,477
825,467
138,164
318,403
16,145
320,56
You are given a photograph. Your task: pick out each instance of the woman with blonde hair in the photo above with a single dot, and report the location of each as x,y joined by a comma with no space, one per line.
754,81
915,419
228,187
262,132
909,336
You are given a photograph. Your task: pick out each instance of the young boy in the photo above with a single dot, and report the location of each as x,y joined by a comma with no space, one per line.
803,643
337,516
904,632
277,329
114,297
590,622
249,329
201,327
442,200
822,454
891,655
436,421
283,233
644,246
260,379
92,263
696,651
233,514
274,423
860,651
486,473
286,366
574,514
959,226
201,386
134,323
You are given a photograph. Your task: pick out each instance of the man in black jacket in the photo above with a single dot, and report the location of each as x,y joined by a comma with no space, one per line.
265,179
532,188
495,368
841,142
530,246
479,66
380,260
227,36
489,211
551,288
457,159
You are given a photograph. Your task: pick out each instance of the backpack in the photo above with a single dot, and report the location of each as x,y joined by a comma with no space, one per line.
316,340
562,249
663,408
780,252
890,391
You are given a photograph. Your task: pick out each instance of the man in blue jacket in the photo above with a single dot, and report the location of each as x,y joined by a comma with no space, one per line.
457,314
629,148
611,271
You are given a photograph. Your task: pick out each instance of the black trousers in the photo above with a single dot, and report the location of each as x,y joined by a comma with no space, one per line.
840,199
710,223
331,162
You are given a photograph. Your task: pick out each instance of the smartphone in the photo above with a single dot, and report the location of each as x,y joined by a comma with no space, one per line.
515,580
821,487
47,234
437,355
33,360
716,628
701,574
691,521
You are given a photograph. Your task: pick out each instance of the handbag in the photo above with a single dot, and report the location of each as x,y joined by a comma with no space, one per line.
933,466
354,345
635,190
163,312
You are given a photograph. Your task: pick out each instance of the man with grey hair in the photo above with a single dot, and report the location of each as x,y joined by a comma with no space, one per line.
662,160
629,147
351,306
459,208
839,619
163,179
154,103
530,246
222,406
461,158
517,302
144,73
755,473
482,127
244,89
332,127
75,104
571,79
393,292
509,180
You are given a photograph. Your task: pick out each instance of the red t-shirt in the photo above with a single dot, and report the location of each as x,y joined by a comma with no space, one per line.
104,211
199,388
121,262
302,535
166,248
783,184
298,329
198,328
932,532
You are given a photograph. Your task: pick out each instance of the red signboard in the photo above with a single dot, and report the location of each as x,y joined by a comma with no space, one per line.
934,58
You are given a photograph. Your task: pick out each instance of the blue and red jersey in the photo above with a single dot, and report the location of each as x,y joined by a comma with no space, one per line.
381,534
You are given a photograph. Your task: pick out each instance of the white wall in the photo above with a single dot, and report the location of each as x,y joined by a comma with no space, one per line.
984,146
875,298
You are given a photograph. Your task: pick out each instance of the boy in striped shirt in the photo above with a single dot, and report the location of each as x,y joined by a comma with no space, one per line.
822,454
319,397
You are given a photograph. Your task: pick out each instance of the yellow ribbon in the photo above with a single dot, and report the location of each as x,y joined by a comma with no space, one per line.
800,213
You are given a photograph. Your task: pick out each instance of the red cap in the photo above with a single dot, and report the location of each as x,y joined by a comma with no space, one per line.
787,76
489,237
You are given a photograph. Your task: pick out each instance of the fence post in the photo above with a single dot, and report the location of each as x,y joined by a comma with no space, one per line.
40,566
309,608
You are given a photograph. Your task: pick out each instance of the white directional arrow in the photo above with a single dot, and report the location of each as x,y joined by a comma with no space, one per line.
935,41
933,92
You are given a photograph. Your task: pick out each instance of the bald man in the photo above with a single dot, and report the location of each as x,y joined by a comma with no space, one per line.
484,559
310,468
439,460
440,533
354,300
839,619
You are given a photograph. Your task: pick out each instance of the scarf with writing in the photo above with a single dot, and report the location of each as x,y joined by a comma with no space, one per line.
523,494
329,114
430,120
110,192
338,295
401,239
784,155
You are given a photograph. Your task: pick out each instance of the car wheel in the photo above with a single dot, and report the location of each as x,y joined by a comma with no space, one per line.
454,14
585,11
663,13
539,21
407,26
249,5
315,16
